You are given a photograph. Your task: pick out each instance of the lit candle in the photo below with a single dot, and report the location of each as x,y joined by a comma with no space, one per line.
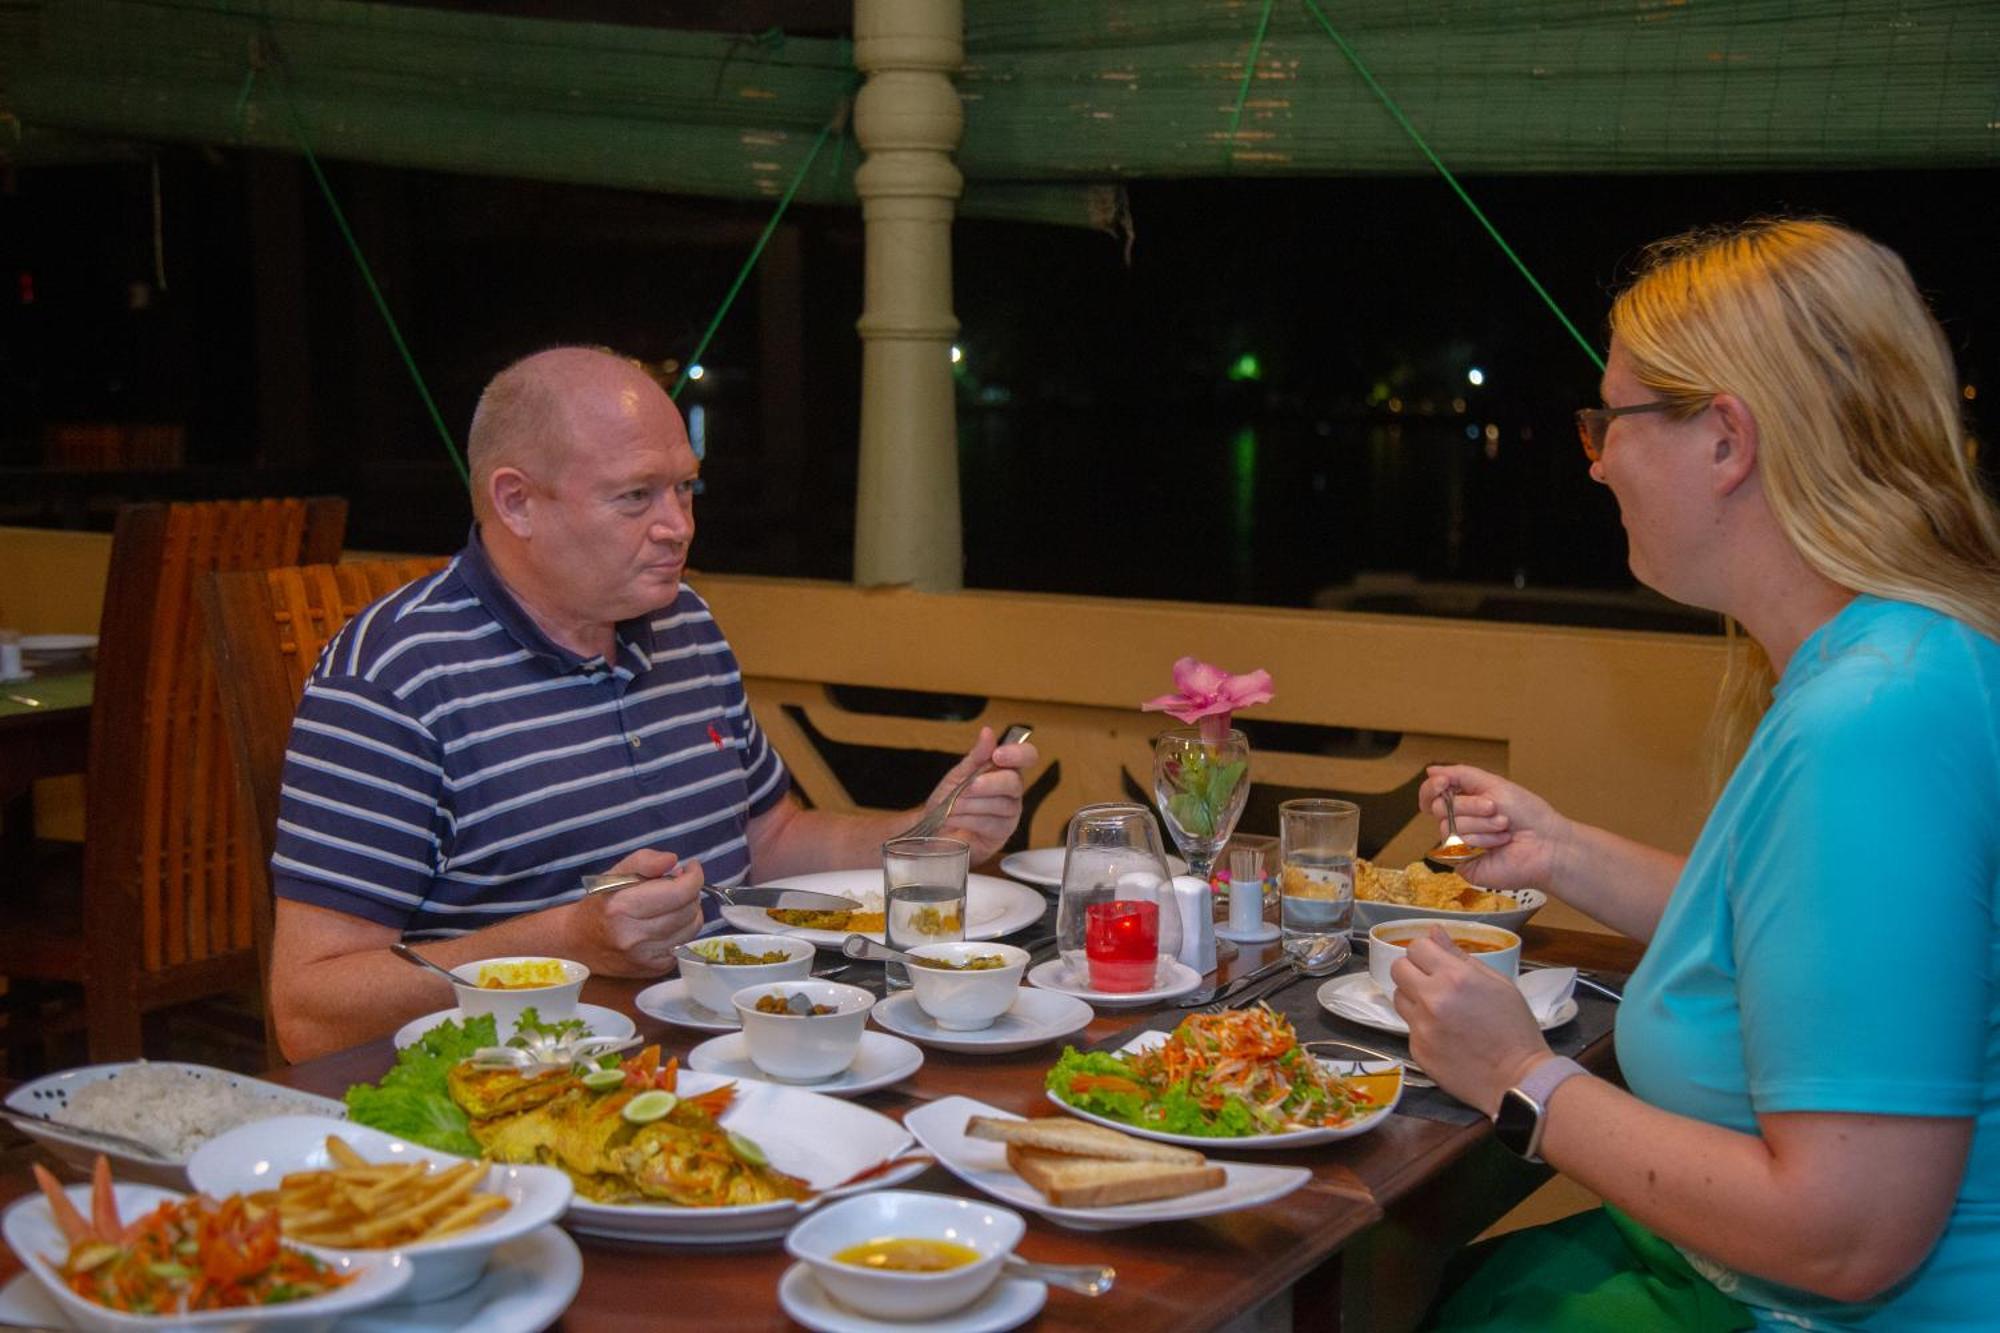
1122,943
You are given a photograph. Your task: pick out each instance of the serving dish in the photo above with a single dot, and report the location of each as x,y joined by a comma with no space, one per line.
31,1232
50,1093
258,1155
982,1164
1297,1138
993,906
598,1020
1368,914
822,1140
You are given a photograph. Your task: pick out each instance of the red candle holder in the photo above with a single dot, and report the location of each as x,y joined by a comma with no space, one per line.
1121,940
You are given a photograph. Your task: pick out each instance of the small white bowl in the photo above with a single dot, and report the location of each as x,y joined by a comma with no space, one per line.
804,1048
1383,952
970,1000
991,1230
31,1231
552,1004
710,984
256,1156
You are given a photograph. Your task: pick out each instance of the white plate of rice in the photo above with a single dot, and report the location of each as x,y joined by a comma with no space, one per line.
173,1107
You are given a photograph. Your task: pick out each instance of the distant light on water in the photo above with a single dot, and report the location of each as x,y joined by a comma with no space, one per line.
696,371
698,430
1246,367
957,354
1475,376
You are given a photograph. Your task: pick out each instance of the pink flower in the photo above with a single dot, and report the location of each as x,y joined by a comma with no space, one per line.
1206,695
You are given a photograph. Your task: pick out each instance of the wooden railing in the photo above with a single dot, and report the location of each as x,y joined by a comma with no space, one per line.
1609,726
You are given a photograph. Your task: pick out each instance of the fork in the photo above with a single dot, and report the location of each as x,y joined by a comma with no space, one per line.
934,818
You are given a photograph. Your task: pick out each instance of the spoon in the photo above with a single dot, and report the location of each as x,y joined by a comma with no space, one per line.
409,955
860,946
1084,1279
136,1147
1323,957
743,895
1454,851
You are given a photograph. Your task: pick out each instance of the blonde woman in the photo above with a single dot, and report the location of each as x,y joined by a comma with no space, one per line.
1812,1041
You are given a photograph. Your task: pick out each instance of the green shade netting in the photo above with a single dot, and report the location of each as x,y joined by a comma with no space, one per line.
1057,92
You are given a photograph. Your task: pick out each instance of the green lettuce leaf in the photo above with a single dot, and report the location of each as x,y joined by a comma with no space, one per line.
412,1100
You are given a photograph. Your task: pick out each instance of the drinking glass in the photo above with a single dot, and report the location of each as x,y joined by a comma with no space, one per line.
923,896
1113,854
1316,872
1201,786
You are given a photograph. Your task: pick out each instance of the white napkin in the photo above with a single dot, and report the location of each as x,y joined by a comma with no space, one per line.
1545,989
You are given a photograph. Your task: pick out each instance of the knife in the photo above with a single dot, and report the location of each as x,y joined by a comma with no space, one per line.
744,895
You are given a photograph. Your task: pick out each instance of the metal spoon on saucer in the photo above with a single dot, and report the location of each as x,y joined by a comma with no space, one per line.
1454,851
1084,1279
860,946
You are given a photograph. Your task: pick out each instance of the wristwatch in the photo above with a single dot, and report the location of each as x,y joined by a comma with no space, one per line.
1523,1108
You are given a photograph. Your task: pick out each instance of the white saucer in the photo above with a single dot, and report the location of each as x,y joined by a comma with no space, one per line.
602,1022
1035,1017
16,680
1173,978
1263,934
52,645
1008,1303
1356,998
1043,866
882,1060
670,1002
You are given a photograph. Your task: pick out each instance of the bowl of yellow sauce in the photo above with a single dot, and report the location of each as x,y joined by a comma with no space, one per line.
903,1254
503,987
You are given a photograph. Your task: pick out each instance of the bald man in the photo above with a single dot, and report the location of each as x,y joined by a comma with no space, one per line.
554,703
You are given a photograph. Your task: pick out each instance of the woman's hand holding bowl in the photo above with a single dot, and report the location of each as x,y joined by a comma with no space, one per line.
1470,1027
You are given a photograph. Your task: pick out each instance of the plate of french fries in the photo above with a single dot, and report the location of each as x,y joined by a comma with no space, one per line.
342,1188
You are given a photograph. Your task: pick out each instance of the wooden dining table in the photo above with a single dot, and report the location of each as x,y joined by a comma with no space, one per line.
1360,1246
44,733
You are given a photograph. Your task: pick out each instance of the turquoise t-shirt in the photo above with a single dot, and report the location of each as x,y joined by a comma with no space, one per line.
1834,942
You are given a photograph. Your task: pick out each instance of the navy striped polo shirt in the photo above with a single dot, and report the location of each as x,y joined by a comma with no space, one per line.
451,766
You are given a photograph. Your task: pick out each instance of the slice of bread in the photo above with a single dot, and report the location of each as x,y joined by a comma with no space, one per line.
1077,1138
1094,1182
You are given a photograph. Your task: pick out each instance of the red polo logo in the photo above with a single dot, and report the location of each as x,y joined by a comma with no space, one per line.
715,736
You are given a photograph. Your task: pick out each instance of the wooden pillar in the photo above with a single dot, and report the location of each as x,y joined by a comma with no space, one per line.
908,121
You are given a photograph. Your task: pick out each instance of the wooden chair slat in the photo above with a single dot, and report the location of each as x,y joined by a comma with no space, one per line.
267,631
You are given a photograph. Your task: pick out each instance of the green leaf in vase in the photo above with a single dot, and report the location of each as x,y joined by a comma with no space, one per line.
1191,813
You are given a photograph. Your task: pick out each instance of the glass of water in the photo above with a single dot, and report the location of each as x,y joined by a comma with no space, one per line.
1316,841
923,896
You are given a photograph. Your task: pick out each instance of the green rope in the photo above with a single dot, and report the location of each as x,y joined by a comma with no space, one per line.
1249,73
756,252
1452,181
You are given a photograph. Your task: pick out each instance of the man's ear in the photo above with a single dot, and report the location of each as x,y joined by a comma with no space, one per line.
509,492
1735,444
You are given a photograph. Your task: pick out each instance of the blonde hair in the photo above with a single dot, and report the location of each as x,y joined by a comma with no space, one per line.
1863,454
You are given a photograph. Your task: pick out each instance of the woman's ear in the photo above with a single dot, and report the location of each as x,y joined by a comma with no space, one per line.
508,490
1735,445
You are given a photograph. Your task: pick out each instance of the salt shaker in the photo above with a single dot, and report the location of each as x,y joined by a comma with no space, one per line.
10,655
1197,923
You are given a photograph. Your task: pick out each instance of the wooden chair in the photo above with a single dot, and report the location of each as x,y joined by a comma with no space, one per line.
266,629
165,913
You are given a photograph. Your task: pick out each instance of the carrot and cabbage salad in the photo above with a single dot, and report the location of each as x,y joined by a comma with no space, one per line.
1227,1075
186,1255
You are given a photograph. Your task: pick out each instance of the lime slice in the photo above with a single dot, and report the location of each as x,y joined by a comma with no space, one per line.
747,1150
649,1106
600,1079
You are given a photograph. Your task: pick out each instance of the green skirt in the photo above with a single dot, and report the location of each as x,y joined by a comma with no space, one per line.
1596,1270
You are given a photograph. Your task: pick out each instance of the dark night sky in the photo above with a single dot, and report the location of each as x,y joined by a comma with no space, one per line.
1096,412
